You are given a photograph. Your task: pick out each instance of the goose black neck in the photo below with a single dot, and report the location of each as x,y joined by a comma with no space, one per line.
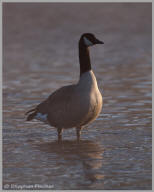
84,58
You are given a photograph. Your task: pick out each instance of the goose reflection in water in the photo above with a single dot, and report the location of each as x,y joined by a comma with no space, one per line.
87,155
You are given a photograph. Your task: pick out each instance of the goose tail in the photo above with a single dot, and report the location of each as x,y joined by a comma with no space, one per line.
31,114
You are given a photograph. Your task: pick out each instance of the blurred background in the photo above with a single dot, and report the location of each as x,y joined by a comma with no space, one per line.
40,54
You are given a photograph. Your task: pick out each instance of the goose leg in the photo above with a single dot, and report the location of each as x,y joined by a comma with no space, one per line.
78,133
59,130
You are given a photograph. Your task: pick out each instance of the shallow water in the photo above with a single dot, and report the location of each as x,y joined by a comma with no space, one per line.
41,55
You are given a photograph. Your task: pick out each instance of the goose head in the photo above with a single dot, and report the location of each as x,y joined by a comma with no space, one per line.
88,39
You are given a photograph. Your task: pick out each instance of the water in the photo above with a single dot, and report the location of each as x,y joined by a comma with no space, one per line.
41,55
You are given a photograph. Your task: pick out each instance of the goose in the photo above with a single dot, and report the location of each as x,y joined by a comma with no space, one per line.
75,105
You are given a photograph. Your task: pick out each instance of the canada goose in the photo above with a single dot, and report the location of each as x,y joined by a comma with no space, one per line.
74,105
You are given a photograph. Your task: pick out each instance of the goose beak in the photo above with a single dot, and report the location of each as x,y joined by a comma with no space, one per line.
98,42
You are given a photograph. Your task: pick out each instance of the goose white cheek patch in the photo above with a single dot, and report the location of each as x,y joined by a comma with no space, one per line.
87,42
41,117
